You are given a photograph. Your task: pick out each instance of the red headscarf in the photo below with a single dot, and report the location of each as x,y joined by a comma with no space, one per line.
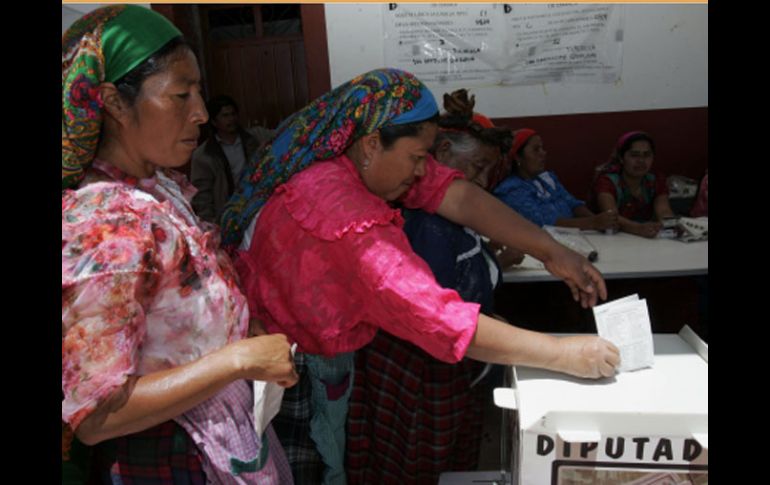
482,120
520,137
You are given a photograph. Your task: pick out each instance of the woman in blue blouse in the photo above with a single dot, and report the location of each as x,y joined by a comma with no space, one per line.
538,195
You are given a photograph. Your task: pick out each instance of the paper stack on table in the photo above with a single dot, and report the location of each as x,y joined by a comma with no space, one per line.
626,323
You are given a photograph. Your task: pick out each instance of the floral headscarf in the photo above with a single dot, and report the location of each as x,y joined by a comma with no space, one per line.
103,45
322,130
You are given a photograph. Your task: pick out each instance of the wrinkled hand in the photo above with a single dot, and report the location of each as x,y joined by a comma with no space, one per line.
648,229
606,220
584,280
587,356
265,358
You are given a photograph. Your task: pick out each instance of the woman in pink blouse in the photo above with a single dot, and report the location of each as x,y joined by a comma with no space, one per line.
156,366
328,264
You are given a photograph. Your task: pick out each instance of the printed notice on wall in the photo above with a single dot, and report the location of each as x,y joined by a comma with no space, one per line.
489,44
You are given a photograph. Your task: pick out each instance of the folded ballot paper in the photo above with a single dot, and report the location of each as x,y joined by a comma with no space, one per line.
626,323
267,401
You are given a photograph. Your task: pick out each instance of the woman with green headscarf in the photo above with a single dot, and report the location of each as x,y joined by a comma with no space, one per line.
155,359
329,265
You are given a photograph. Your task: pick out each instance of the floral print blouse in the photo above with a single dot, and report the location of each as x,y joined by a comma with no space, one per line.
144,285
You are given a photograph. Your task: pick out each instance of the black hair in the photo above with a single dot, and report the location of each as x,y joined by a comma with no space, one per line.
390,133
130,85
217,103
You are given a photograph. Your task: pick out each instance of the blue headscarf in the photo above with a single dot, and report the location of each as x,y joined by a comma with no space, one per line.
322,130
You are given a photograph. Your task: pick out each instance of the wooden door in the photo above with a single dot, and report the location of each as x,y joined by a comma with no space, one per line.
266,77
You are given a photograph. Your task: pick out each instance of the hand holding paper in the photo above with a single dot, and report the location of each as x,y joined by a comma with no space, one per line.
587,356
267,401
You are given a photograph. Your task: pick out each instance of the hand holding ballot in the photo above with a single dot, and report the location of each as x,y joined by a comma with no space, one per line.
267,400
588,356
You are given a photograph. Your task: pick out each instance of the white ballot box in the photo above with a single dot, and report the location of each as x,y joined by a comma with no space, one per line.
644,427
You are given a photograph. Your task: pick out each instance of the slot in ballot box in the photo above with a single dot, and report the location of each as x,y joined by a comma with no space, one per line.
647,427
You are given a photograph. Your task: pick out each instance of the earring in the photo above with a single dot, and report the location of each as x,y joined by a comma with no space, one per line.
366,163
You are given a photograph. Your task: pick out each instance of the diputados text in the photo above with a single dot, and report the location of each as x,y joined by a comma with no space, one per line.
624,448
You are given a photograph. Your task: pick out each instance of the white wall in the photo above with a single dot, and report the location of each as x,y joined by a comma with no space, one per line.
665,64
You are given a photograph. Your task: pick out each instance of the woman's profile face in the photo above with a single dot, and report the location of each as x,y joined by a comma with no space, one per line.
532,160
164,126
638,159
391,172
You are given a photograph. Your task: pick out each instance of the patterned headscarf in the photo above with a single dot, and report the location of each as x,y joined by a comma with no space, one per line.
101,46
322,130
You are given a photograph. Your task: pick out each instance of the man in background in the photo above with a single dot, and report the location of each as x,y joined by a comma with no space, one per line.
218,162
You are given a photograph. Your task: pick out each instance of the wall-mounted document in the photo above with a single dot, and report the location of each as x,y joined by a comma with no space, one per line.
477,44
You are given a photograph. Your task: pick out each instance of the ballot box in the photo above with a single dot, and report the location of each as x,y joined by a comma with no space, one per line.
647,427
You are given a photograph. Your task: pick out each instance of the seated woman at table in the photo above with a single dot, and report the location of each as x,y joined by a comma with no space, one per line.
439,415
628,185
538,195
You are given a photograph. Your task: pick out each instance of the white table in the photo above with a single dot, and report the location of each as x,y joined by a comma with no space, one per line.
624,255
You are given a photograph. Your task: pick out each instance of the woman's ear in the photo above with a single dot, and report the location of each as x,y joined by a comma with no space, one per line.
113,102
371,144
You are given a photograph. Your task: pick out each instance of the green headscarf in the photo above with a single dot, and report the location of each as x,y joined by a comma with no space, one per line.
102,46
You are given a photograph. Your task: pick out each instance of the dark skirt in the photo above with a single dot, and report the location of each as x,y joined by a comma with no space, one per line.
411,416
162,455
292,426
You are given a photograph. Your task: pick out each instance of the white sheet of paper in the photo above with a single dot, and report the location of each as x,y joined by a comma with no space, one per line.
626,323
267,401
